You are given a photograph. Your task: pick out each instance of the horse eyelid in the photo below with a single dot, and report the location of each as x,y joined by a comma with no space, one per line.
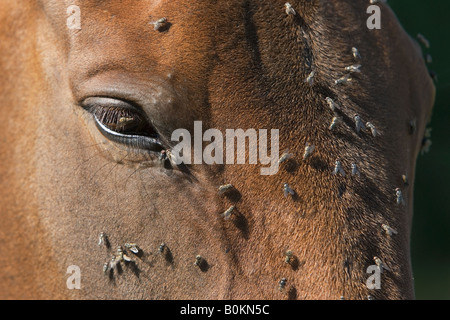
111,109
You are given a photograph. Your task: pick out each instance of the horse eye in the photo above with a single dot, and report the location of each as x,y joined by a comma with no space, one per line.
123,123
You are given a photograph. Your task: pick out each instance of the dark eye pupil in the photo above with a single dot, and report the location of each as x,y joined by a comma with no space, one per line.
124,121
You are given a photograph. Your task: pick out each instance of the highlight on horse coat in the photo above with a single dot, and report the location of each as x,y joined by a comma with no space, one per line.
89,176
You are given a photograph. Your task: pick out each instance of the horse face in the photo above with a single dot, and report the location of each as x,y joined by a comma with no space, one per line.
103,100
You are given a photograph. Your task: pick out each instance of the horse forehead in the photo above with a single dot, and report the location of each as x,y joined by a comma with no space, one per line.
123,35
128,15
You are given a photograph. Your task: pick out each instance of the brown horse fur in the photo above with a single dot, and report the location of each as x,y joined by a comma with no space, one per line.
231,64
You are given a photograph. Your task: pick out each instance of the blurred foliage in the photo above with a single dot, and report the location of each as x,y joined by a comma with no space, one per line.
431,223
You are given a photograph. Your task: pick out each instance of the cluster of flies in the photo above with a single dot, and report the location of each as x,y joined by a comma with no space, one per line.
122,256
338,167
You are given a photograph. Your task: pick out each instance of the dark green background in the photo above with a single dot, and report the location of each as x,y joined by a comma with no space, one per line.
431,223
